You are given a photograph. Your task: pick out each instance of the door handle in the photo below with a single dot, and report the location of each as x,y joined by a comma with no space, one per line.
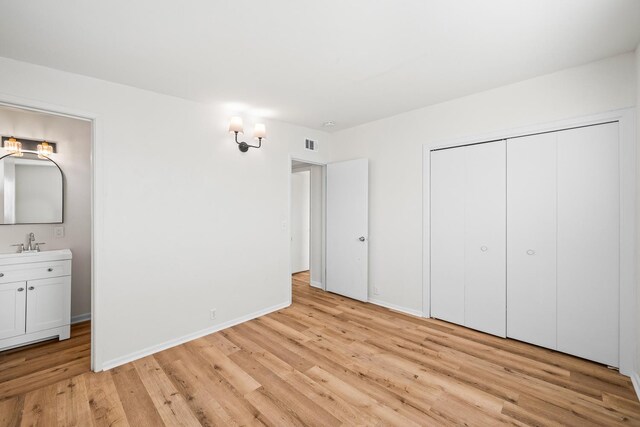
31,288
362,239
20,289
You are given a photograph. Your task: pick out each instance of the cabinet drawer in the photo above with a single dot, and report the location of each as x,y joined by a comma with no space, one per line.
34,270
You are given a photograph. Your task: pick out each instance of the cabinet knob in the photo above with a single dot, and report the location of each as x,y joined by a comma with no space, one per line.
31,288
531,252
50,269
20,289
484,248
1,274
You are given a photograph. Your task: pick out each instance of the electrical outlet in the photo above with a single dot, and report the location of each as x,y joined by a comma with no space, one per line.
212,313
376,290
58,232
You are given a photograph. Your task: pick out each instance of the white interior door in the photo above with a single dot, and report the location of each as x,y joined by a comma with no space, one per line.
12,309
485,238
347,225
531,239
588,242
48,303
300,220
447,234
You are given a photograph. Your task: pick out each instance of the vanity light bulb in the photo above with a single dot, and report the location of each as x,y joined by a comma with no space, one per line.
13,146
44,150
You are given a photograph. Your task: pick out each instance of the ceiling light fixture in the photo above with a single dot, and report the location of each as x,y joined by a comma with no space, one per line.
329,124
259,133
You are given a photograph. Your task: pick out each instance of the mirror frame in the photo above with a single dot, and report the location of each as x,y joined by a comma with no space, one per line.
62,195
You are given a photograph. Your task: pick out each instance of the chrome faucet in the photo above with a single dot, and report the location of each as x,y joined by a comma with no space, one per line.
31,246
32,238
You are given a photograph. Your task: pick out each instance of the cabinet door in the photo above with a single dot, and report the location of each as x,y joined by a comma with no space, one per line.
531,239
13,297
447,234
485,238
48,303
588,242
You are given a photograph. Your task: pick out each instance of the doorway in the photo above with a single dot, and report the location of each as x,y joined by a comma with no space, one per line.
307,222
55,311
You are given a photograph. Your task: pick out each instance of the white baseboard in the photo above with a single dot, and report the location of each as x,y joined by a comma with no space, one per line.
410,311
189,337
315,284
635,380
80,318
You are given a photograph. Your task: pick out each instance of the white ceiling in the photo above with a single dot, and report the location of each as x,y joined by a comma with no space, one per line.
307,62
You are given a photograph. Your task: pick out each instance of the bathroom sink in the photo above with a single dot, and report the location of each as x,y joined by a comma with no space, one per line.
26,257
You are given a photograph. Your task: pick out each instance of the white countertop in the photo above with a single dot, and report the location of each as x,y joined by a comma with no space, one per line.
27,257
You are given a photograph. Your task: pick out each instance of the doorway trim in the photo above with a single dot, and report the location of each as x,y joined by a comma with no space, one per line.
96,218
323,267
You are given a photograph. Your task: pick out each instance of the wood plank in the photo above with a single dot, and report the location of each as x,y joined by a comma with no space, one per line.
136,402
306,410
166,398
106,407
11,411
72,403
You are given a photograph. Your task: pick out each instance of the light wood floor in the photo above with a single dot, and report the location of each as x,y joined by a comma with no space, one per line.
28,368
327,360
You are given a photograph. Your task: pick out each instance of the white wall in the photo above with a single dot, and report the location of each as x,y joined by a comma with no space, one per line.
184,222
73,138
394,147
300,220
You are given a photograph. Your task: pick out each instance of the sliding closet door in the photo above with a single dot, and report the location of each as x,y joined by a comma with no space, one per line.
588,242
447,234
531,239
485,239
468,236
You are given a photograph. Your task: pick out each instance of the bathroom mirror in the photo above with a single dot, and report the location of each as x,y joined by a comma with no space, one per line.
31,190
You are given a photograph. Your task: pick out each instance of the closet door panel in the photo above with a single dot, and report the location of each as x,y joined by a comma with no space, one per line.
531,239
588,242
485,237
447,234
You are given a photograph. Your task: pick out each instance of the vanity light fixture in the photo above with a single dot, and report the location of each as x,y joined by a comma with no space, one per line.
13,146
259,133
44,150
17,148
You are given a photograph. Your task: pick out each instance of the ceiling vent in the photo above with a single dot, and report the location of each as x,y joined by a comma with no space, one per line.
310,144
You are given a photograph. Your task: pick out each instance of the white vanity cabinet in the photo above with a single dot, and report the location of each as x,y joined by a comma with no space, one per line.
35,297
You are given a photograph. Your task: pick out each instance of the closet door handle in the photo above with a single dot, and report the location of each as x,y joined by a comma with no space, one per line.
1,274
531,252
50,269
20,289
484,248
31,288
